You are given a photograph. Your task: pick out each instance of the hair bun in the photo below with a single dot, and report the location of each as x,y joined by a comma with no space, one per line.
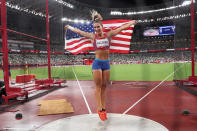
96,19
96,16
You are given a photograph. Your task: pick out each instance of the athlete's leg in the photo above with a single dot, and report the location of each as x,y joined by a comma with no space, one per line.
97,76
105,81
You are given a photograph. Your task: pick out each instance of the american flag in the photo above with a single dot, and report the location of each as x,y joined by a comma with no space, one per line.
75,44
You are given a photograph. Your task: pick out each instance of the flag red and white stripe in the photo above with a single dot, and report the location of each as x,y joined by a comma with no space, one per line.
119,43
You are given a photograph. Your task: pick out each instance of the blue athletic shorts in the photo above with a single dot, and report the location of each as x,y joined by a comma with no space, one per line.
101,64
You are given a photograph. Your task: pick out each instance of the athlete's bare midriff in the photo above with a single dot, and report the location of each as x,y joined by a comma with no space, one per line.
102,54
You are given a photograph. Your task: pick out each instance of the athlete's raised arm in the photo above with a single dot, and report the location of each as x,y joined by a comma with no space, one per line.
123,27
78,31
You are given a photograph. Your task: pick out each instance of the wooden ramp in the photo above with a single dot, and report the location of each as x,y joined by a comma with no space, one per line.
51,107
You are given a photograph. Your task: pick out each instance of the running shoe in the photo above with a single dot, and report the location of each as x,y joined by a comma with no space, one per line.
105,114
102,115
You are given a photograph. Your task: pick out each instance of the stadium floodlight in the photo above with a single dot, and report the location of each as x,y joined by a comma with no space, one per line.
34,12
65,3
76,21
82,21
141,12
87,22
130,13
19,8
116,13
64,19
187,2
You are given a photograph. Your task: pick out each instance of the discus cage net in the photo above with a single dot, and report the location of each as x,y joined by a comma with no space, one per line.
164,34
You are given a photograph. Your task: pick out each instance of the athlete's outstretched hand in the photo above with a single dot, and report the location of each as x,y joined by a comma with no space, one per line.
66,27
133,22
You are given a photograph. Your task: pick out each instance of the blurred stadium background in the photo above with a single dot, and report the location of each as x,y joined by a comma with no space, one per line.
161,41
160,51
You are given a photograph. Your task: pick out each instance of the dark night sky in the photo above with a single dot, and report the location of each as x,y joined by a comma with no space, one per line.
123,3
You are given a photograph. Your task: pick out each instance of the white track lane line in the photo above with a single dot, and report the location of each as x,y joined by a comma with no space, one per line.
90,112
150,92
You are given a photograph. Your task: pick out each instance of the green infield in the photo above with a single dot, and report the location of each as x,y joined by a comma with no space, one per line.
127,72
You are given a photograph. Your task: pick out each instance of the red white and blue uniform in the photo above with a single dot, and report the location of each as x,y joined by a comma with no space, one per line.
101,43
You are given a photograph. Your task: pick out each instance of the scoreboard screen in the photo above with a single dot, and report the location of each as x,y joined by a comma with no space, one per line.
166,30
160,31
